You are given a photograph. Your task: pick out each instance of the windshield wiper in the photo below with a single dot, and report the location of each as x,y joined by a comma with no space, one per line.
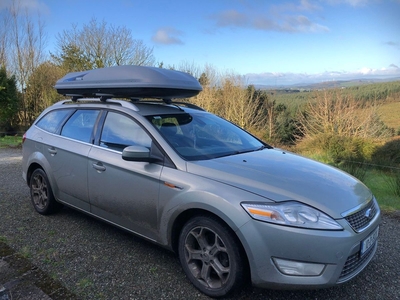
263,147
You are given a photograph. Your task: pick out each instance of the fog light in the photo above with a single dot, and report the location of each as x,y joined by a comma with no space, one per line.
297,268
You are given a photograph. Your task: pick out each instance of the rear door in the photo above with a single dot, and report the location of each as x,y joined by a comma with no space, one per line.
65,145
72,154
123,192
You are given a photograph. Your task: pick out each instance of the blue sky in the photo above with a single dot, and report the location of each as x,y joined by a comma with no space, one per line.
269,42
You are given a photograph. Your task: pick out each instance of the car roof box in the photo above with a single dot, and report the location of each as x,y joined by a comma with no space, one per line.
129,82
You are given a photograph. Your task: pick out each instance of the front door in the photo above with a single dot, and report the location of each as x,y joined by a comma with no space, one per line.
123,192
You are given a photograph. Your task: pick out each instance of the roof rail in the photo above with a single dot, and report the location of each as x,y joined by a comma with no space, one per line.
107,99
77,99
172,102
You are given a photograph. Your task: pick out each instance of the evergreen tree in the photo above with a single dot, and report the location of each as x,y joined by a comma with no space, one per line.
9,104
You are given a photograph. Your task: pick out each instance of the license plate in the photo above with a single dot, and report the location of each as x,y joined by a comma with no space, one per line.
369,241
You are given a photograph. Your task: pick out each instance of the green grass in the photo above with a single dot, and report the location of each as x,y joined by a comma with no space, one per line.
389,113
10,141
385,188
384,184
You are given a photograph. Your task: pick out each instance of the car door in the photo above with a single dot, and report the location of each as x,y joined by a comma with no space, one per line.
73,151
123,192
66,154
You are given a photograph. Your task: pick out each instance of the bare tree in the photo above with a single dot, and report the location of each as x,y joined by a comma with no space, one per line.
23,42
5,23
227,96
100,45
335,113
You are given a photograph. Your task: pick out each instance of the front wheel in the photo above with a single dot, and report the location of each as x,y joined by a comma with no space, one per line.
41,194
210,256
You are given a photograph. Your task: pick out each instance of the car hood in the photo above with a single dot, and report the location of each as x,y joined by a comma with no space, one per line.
283,176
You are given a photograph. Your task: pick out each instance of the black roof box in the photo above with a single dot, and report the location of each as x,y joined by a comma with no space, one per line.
129,82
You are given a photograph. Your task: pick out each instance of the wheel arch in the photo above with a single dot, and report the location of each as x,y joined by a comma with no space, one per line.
186,215
38,160
31,169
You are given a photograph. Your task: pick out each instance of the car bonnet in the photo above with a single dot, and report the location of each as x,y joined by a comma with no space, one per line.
282,176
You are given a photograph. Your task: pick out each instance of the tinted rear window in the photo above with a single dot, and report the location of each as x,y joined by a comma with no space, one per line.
80,125
52,121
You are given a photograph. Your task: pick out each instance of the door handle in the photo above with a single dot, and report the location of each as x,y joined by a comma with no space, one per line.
99,167
52,151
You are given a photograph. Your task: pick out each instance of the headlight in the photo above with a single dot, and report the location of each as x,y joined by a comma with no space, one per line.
292,214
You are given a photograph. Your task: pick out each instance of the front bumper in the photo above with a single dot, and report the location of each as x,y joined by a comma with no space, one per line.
339,251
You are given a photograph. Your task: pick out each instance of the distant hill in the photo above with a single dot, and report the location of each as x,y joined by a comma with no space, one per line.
325,84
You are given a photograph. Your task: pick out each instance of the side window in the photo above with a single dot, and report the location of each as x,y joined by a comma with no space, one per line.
120,131
53,120
80,125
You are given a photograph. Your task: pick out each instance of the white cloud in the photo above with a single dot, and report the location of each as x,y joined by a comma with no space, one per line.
231,18
272,22
167,36
282,79
351,2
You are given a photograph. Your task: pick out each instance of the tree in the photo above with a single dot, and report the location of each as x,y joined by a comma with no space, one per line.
22,47
8,100
204,81
99,45
286,129
40,92
4,38
242,106
72,59
336,113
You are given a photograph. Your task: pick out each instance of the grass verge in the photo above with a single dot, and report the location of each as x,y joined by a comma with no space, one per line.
383,183
385,187
10,141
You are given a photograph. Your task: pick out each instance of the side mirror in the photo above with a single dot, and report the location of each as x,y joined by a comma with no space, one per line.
137,153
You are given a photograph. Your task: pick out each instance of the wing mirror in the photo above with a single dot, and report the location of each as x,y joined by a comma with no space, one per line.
137,153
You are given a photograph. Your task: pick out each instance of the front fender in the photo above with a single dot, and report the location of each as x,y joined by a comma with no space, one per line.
206,195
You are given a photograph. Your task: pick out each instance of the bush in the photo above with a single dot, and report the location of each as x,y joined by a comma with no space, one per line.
337,148
388,154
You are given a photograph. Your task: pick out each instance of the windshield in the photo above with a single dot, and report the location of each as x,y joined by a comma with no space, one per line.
199,136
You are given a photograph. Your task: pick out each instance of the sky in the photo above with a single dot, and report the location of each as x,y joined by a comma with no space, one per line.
269,42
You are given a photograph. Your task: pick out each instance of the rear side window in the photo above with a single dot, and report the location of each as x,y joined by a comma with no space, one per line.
80,125
52,121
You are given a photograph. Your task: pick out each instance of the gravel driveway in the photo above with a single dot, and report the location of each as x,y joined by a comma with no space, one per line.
71,255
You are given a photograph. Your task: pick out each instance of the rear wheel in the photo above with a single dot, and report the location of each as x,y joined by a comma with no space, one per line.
41,194
210,256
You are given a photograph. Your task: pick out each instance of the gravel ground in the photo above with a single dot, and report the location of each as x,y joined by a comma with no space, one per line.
71,255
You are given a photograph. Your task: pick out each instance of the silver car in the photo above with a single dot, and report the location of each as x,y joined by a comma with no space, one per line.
232,207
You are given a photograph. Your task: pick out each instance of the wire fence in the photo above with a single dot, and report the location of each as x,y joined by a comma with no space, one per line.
372,165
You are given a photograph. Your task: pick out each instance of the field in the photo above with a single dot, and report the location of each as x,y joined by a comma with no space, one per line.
390,114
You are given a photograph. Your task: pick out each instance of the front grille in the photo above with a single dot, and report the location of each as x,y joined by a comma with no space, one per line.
355,263
361,219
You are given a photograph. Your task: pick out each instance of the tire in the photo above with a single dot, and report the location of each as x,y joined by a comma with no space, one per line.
210,256
41,194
